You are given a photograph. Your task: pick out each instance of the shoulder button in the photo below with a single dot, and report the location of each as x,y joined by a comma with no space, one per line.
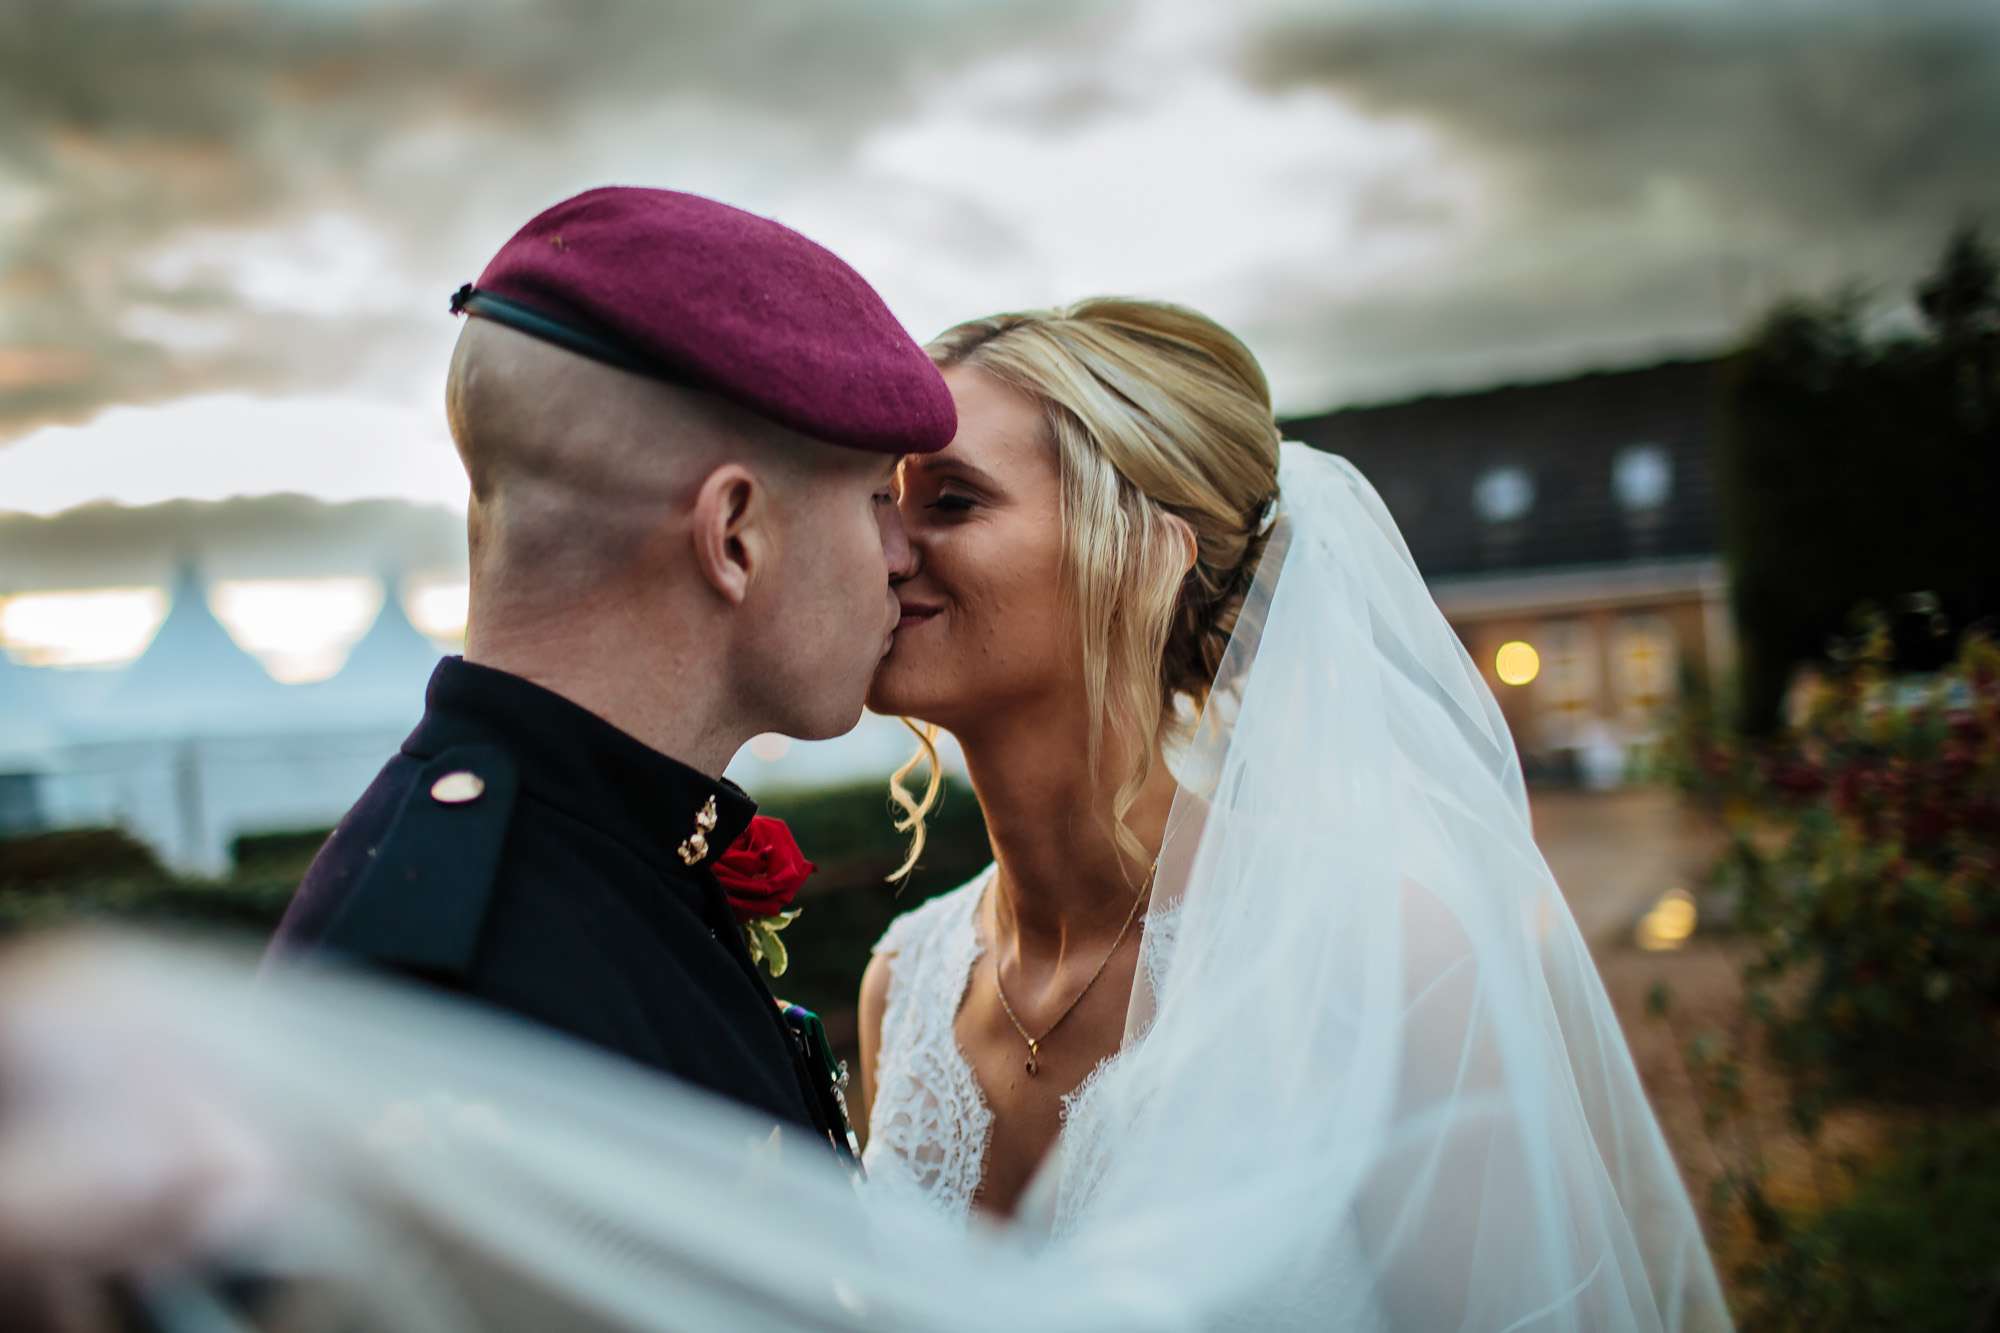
458,787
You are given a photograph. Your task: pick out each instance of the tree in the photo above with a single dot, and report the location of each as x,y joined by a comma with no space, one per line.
1858,468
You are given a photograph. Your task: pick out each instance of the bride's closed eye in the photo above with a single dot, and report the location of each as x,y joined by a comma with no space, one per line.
947,503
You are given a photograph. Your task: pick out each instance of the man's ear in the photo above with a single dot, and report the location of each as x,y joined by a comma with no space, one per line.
733,533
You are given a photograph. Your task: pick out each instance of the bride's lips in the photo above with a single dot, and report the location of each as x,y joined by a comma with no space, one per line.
915,613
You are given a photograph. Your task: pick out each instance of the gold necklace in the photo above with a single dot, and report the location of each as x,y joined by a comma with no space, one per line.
1035,1043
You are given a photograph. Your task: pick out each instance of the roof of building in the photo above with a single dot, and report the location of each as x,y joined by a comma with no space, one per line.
192,677
1601,468
385,672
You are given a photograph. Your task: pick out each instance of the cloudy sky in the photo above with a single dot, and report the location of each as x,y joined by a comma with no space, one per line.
228,229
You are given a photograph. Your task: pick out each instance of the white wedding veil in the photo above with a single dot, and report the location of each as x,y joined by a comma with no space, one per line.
1377,1084
1378,1050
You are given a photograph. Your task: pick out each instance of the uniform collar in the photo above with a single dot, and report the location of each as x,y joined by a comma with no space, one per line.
574,760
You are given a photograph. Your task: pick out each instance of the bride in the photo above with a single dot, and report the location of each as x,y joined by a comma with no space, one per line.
1343,926
1081,551
1268,1014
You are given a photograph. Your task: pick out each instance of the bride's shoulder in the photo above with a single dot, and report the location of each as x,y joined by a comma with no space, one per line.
932,915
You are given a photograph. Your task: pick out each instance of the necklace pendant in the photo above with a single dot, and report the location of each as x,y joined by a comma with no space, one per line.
1033,1068
1034,1058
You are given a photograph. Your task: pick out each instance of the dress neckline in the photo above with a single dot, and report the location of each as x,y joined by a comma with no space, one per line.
974,950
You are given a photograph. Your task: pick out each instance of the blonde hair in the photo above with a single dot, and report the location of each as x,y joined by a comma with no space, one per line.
1164,432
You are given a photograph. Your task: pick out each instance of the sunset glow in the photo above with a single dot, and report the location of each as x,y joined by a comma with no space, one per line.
299,629
87,627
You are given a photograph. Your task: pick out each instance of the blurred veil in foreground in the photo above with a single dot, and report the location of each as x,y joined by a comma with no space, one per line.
1377,1084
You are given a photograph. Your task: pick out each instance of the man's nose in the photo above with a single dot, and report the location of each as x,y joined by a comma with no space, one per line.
896,548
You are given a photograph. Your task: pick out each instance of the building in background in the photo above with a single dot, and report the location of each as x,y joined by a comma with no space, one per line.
1568,531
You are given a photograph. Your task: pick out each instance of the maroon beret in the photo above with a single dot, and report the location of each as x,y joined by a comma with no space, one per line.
697,293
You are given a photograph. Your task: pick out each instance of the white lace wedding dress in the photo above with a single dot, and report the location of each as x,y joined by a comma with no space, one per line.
930,1123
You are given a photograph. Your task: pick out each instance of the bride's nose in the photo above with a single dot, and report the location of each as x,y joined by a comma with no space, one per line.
896,544
912,562
911,565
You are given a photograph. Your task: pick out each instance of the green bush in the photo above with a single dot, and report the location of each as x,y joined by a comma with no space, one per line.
1865,868
1912,1247
251,907
54,860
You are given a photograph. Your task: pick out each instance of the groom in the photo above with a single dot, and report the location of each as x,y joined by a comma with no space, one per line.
680,422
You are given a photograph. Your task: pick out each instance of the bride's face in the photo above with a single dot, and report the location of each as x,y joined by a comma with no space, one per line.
983,630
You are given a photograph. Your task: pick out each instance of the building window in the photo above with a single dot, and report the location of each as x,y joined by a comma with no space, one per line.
1566,690
1642,475
1646,661
1504,493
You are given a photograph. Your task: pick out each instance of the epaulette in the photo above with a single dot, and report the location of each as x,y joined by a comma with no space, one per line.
421,902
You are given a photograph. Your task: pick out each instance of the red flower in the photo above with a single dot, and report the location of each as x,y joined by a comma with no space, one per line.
762,870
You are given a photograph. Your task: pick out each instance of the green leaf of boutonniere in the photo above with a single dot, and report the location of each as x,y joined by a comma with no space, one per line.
761,936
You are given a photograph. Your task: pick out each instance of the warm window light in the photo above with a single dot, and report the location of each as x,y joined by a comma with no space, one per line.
1517,663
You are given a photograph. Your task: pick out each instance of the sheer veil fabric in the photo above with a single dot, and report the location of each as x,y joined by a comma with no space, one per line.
1376,1085
1379,1060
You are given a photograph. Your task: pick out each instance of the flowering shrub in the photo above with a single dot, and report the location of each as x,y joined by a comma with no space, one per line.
1883,894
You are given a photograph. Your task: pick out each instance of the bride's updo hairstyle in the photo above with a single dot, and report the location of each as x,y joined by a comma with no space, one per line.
1167,448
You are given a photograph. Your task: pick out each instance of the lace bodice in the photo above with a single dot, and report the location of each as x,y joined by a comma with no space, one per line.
929,1126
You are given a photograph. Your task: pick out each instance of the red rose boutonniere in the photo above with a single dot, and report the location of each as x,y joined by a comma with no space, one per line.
761,872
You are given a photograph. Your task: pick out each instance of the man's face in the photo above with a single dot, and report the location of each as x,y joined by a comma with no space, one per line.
829,613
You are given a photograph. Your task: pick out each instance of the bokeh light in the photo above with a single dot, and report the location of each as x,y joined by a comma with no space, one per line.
1517,662
1670,922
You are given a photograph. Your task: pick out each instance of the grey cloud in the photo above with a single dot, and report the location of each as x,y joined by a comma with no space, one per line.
1829,117
1664,169
124,126
275,536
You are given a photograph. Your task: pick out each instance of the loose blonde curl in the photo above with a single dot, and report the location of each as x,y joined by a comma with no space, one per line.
1163,430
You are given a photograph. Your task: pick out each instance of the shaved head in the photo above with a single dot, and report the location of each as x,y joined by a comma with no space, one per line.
628,533
574,464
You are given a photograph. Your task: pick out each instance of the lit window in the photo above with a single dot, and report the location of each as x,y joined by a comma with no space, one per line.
1643,476
1517,663
1644,653
1567,690
1503,494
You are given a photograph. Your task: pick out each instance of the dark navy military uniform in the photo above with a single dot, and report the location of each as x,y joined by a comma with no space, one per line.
524,852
